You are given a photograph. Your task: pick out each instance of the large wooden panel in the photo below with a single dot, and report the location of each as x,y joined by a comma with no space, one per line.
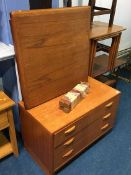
52,51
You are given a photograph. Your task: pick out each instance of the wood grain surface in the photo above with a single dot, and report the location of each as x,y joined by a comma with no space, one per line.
54,119
52,51
53,137
100,30
5,101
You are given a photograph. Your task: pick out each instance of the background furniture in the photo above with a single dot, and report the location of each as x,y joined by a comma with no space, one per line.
67,3
53,137
95,10
103,63
100,31
6,121
8,70
40,4
8,73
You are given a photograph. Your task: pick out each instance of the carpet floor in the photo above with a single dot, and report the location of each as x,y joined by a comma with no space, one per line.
111,155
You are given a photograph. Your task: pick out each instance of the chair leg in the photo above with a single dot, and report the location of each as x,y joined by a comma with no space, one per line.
113,9
12,133
92,4
69,3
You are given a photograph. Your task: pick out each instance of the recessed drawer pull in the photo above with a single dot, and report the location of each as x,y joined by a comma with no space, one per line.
105,127
70,130
68,153
107,116
109,105
69,141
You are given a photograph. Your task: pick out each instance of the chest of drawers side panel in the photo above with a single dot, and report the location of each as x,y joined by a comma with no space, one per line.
37,140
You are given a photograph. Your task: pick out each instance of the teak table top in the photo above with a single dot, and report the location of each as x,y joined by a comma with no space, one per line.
101,29
54,119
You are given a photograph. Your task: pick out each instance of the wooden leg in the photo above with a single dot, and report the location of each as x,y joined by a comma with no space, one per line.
113,9
116,51
113,51
69,3
12,133
92,4
93,47
40,4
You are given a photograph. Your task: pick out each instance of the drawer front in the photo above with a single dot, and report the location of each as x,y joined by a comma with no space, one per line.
70,148
75,127
3,120
108,107
110,110
78,142
69,131
97,129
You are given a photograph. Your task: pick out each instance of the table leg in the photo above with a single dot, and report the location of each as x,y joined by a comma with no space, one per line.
12,133
113,51
93,47
116,51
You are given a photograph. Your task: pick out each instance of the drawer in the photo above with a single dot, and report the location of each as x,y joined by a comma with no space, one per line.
110,111
3,120
70,131
107,107
111,105
97,129
107,110
76,127
109,118
78,142
70,148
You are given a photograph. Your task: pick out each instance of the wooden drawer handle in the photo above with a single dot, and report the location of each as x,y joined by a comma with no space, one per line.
105,127
109,105
68,153
69,141
107,116
70,130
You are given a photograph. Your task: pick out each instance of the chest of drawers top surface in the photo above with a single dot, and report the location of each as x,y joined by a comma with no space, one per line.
54,119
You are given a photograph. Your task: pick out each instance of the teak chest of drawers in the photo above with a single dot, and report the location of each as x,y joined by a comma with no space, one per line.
53,137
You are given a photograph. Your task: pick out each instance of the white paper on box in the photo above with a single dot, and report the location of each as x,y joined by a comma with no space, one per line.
82,88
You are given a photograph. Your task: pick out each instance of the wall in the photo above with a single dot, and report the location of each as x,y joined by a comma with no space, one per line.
122,17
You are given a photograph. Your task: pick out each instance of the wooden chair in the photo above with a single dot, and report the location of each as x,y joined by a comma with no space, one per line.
67,3
40,4
95,10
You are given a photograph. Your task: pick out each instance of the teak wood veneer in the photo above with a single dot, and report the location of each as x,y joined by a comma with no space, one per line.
52,51
53,137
